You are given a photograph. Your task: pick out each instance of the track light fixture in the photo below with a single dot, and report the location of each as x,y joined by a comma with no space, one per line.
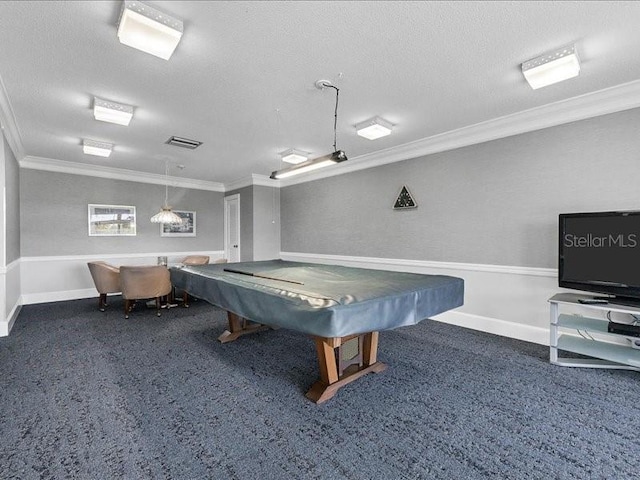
336,157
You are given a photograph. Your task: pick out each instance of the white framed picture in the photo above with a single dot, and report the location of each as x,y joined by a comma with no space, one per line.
186,229
111,220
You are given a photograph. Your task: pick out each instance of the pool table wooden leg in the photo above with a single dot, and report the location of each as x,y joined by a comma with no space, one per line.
332,377
238,327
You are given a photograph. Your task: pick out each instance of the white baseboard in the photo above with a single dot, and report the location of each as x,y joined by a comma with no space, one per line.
58,296
510,301
495,326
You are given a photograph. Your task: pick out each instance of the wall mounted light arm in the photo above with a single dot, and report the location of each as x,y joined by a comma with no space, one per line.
336,157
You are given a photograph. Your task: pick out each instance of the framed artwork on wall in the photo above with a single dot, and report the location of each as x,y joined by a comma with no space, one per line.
111,220
186,229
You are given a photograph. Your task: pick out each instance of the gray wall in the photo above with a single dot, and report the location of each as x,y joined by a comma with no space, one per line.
259,222
53,213
12,184
493,203
246,222
266,222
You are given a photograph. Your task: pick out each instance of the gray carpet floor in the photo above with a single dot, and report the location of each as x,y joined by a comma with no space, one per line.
91,395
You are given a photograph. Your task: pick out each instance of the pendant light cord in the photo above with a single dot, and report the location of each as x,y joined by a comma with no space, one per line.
335,117
166,183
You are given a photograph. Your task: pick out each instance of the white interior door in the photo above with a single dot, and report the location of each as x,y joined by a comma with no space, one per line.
232,227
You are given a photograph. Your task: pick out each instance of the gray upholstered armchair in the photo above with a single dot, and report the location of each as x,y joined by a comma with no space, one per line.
106,279
144,282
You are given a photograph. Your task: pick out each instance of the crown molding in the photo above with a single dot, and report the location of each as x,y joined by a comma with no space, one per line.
603,102
253,179
265,181
9,124
72,168
610,100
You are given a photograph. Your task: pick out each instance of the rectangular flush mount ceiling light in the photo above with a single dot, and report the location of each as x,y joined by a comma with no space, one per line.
552,67
100,149
373,128
112,112
148,29
294,156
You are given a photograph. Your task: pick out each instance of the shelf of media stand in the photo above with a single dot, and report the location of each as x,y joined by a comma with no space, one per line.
595,341
605,351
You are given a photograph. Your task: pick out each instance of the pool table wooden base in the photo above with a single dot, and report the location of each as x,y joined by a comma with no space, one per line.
339,368
341,360
238,327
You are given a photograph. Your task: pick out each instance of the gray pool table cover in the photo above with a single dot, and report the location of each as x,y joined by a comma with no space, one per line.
334,301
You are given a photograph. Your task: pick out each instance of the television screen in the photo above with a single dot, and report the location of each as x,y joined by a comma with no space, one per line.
600,252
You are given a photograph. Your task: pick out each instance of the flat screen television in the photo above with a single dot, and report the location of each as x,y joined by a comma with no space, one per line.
600,252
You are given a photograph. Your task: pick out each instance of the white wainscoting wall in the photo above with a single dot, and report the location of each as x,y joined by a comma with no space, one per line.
10,299
502,300
56,278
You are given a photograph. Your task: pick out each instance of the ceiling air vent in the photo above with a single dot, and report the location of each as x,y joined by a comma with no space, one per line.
183,142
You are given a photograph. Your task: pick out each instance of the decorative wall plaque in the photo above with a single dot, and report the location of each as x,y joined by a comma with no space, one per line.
404,201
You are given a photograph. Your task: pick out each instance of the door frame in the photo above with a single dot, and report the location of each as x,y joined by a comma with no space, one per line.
227,224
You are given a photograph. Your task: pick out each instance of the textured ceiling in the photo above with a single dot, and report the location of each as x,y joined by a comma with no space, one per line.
242,78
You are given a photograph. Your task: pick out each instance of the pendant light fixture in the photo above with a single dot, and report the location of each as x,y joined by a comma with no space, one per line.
336,157
166,215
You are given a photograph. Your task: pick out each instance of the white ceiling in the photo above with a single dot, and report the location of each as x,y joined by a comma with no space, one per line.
242,78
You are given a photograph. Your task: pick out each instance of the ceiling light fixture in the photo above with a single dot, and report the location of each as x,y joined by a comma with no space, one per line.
309,165
166,215
336,157
294,156
552,67
112,112
99,149
373,128
148,29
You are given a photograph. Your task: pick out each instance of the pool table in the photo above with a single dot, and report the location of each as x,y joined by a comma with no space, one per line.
342,308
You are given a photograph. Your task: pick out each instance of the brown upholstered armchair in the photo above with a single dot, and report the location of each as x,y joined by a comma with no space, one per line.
106,279
195,260
143,282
